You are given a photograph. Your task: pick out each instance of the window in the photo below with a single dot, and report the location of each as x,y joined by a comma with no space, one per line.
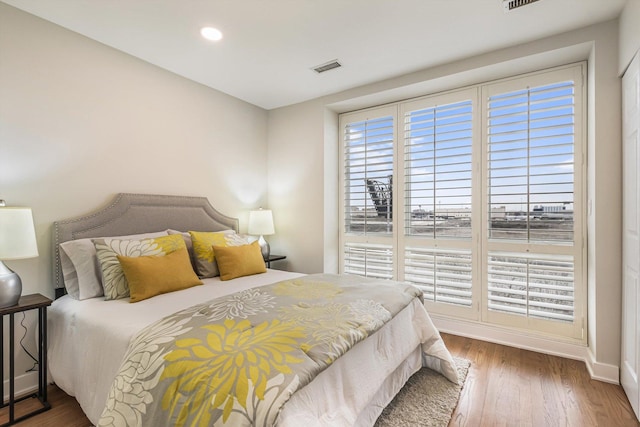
443,275
533,272
476,197
438,146
438,164
368,164
368,158
530,163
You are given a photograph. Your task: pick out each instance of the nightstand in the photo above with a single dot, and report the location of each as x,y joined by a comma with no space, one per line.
26,302
274,258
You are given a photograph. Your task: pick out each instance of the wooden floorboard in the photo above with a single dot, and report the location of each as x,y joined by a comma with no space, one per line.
65,411
505,387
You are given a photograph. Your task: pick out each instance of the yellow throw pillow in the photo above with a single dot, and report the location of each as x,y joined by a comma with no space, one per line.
149,276
203,242
238,261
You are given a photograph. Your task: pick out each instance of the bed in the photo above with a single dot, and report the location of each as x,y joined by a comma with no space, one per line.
96,355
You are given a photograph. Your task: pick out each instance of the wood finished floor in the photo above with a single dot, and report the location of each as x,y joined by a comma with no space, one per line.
505,387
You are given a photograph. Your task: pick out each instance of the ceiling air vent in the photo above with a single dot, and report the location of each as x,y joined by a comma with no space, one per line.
514,4
327,66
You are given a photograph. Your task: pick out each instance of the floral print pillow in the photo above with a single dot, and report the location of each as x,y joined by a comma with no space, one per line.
114,281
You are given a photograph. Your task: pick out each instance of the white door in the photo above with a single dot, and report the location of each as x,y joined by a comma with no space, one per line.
631,239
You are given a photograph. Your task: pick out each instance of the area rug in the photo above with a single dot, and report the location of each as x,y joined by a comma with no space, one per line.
427,399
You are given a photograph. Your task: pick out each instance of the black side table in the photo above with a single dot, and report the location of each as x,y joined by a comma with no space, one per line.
26,302
274,258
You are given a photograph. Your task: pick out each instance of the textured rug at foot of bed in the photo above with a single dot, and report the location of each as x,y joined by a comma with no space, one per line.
427,399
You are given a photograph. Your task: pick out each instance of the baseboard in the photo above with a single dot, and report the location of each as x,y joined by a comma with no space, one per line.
23,384
597,371
601,371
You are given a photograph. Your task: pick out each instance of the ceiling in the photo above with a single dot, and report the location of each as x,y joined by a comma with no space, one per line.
270,46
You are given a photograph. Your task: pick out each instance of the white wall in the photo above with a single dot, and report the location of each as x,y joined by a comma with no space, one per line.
604,169
303,185
309,250
296,184
629,33
80,121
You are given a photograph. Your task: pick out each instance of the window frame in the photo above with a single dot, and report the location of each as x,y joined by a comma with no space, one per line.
366,239
471,312
576,329
481,246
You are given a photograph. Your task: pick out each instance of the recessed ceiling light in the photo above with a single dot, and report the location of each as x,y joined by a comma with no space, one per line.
211,33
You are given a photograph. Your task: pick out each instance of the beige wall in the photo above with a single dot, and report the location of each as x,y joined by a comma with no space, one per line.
296,184
296,156
303,185
629,33
80,121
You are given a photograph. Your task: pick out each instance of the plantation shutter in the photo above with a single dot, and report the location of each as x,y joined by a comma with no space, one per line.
540,287
477,197
438,169
368,166
369,260
531,163
534,170
443,275
437,253
367,189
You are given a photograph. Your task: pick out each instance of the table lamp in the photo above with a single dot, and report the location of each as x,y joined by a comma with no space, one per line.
261,224
17,241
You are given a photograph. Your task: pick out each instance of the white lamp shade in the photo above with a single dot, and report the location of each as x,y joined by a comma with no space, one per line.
17,234
261,223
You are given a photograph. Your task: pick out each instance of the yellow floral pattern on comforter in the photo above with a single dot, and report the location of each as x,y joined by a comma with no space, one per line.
237,359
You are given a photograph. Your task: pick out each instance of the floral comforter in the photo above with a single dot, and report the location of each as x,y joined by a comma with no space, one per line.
236,360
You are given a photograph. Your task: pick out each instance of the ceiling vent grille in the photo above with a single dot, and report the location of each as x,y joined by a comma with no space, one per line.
514,4
327,66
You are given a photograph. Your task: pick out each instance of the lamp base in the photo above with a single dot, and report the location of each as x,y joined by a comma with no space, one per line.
10,286
264,248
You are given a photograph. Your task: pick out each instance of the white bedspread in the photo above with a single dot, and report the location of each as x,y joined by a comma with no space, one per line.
87,340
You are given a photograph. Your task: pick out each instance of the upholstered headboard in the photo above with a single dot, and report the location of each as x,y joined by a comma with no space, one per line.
135,214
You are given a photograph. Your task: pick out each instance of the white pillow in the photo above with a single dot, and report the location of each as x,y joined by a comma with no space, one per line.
69,274
80,267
